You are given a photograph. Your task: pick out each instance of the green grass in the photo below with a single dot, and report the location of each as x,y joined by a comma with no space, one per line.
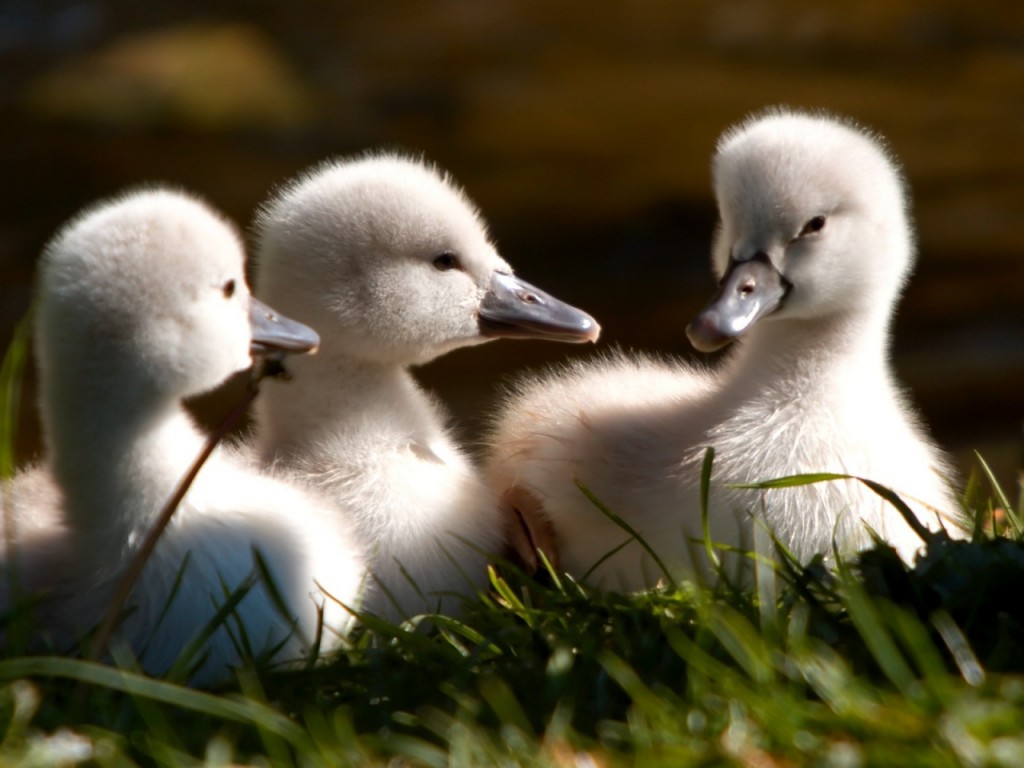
859,667
867,663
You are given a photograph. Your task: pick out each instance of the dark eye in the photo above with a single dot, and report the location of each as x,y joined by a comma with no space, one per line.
446,261
814,225
228,289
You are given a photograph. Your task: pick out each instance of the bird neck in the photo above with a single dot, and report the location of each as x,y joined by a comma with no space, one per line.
333,393
118,454
830,355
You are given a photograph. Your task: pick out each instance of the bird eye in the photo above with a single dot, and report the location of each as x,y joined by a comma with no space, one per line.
813,225
447,261
228,289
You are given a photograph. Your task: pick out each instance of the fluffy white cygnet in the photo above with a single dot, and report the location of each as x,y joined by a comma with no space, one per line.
392,264
812,250
143,301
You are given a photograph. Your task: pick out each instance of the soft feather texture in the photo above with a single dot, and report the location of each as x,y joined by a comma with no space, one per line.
142,301
362,250
809,389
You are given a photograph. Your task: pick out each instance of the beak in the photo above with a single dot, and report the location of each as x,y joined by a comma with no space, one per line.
275,335
750,290
513,309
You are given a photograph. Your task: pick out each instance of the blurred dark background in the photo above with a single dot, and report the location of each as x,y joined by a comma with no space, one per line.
582,130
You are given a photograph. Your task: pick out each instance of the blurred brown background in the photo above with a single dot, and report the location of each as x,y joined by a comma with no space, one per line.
582,130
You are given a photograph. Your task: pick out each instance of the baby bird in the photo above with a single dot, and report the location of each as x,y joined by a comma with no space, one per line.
142,301
812,250
390,261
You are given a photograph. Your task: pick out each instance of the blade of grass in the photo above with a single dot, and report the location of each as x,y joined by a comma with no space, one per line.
627,528
232,708
603,558
829,675
705,495
158,726
652,703
274,743
510,600
917,641
11,373
765,568
550,569
872,629
901,506
698,659
1016,524
960,648
452,629
792,481
187,661
743,642
500,698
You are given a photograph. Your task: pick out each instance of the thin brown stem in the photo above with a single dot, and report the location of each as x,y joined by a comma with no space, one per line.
131,575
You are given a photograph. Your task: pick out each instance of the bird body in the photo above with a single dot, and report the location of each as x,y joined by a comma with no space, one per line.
382,454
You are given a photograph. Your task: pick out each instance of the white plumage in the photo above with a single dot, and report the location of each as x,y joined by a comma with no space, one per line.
813,248
142,302
392,264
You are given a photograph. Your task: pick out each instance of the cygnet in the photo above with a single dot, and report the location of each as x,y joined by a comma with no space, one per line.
392,264
142,301
812,251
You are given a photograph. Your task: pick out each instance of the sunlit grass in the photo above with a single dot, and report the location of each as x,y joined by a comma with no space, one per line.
866,662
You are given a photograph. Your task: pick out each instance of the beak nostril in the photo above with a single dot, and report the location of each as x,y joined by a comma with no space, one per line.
748,287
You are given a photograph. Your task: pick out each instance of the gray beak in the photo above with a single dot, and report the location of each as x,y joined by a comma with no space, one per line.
749,290
514,309
274,334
